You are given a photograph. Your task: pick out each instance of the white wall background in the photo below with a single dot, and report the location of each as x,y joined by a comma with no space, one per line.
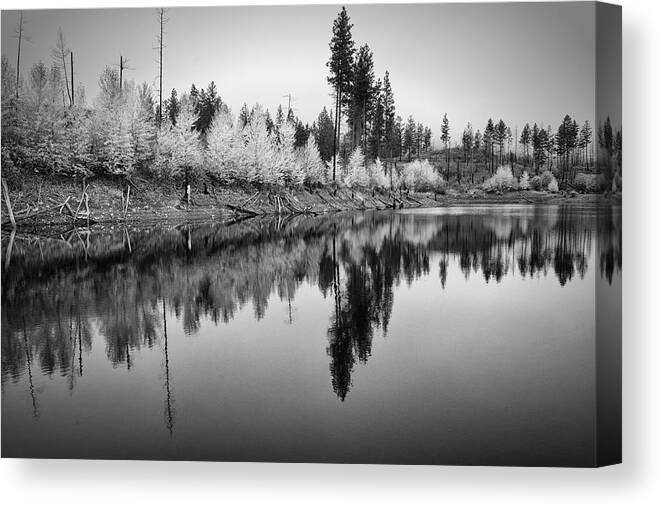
636,482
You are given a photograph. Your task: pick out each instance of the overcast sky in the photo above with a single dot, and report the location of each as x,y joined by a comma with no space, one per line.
522,62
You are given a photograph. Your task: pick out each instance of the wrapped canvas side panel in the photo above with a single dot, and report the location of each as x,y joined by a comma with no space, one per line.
608,287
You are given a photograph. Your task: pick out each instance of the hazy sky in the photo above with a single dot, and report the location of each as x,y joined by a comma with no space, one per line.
522,62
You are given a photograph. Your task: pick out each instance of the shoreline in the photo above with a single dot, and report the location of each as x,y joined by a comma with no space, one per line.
44,202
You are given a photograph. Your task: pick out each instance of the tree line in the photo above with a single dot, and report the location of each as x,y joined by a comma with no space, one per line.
132,129
564,151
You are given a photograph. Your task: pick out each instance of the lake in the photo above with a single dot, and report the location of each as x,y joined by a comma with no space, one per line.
462,335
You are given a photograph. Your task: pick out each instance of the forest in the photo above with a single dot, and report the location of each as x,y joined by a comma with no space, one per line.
131,132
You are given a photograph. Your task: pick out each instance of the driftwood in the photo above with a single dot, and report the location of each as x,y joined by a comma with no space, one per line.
250,199
239,209
10,212
414,200
125,202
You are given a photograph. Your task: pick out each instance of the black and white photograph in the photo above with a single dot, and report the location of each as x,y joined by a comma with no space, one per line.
358,234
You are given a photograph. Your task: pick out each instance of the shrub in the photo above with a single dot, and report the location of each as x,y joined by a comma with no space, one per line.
536,182
524,181
547,177
421,176
553,185
501,181
588,182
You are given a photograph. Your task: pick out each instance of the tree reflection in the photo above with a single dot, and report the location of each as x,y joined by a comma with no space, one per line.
66,293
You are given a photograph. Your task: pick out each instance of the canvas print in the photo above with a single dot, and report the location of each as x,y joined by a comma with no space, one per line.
385,234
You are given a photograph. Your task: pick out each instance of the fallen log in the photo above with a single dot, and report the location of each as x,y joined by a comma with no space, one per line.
250,199
239,209
8,203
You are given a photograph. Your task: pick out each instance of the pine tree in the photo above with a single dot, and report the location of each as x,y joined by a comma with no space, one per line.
269,122
207,105
302,133
608,137
324,135
566,139
445,137
427,140
419,138
377,124
585,138
244,116
340,66
388,115
467,142
500,135
409,136
525,142
488,138
172,107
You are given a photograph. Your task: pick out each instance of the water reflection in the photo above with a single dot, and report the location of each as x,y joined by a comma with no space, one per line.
58,293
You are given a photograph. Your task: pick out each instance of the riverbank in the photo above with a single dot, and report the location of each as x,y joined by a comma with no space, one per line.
50,201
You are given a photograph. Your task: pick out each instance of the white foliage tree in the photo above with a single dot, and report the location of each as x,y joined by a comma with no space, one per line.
225,148
260,161
419,175
179,146
355,174
501,181
524,181
285,157
310,164
377,176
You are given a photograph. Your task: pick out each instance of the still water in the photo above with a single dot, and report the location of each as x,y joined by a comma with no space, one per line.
455,336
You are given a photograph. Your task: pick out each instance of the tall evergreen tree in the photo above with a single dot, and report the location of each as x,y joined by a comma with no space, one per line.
419,138
500,135
244,116
340,66
525,142
388,115
206,107
362,95
445,137
377,124
324,135
172,107
409,136
398,136
585,138
488,138
467,142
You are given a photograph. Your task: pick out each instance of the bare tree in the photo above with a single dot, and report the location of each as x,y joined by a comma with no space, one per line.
20,36
60,53
73,95
162,20
122,67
